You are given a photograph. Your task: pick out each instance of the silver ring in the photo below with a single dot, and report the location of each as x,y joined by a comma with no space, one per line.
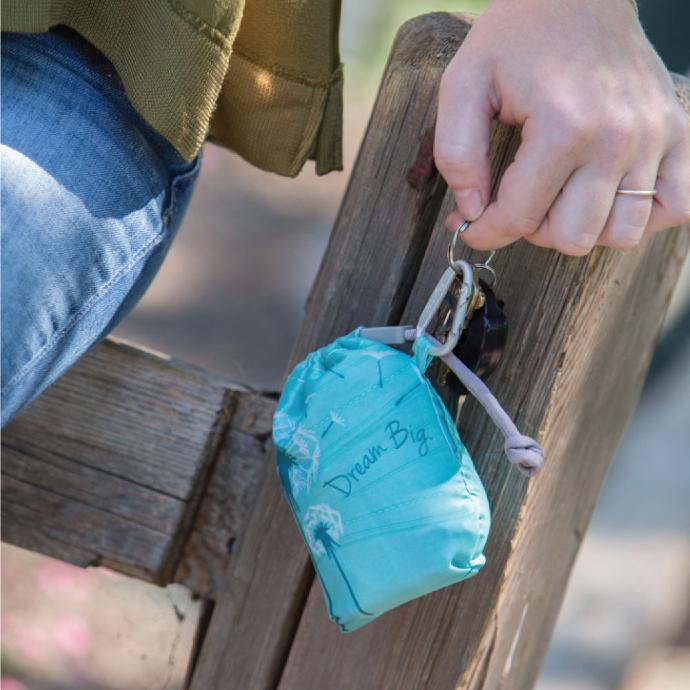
637,192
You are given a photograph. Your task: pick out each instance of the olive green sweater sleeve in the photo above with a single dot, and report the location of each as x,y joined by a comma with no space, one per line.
281,101
262,77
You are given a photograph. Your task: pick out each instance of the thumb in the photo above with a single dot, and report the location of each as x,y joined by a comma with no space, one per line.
461,142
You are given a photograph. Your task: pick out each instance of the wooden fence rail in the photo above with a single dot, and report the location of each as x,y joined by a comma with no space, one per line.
136,462
152,467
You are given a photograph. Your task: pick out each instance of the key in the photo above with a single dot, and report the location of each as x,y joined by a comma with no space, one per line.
479,347
460,282
483,341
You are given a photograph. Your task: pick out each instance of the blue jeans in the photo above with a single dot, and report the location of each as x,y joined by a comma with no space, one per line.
91,200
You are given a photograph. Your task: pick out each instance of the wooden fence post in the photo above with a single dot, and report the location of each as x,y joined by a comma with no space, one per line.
370,265
582,332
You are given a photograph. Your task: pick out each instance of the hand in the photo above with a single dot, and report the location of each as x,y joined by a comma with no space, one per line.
598,112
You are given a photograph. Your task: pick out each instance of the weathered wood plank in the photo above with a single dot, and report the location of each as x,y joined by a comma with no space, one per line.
582,331
366,275
109,392
603,361
316,634
229,496
582,334
108,467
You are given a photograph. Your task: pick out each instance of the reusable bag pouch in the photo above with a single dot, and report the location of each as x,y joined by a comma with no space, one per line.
383,490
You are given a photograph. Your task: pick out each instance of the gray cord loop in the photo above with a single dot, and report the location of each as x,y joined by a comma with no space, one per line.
522,451
525,453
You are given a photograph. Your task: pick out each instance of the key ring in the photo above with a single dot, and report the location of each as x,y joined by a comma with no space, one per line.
452,261
489,269
454,240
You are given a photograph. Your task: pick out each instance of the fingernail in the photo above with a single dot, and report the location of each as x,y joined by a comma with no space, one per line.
469,203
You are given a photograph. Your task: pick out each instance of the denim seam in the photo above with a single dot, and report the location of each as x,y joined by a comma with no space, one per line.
85,308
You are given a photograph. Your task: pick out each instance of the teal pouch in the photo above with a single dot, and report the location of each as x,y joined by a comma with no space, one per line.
384,492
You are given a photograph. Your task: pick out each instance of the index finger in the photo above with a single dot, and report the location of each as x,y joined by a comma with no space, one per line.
526,192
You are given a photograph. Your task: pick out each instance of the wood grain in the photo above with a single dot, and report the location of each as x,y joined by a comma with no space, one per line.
229,496
582,332
366,275
109,465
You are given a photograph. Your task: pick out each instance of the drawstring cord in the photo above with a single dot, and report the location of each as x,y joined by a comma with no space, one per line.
521,450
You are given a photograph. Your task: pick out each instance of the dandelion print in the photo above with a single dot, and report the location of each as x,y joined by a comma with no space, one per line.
316,519
323,526
322,363
297,458
286,463
335,419
404,395
420,382
305,446
378,356
331,359
283,427
307,400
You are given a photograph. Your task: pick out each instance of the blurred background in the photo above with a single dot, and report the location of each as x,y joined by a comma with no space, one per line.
246,255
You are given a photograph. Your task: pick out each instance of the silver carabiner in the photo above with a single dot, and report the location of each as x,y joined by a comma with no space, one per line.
464,270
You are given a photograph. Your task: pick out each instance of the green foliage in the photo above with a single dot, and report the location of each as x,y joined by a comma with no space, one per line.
368,30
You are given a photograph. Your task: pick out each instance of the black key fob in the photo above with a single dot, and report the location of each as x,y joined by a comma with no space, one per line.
481,344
